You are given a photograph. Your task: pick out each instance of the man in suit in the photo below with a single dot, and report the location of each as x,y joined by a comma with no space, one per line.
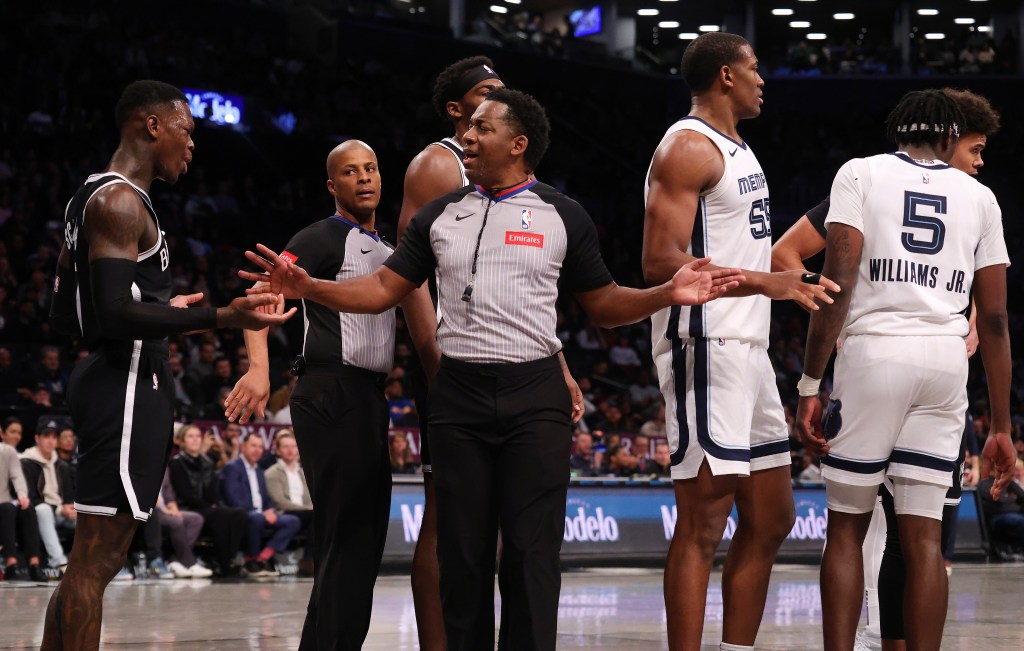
243,485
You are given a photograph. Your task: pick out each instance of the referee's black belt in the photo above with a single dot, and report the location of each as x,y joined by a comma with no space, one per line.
503,369
304,367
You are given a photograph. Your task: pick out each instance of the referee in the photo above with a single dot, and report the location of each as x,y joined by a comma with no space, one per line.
500,409
338,406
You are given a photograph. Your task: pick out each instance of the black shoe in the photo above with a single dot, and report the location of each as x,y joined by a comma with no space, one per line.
269,568
35,573
253,569
14,573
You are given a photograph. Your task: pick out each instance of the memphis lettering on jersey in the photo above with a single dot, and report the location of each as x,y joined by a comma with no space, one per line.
895,270
751,183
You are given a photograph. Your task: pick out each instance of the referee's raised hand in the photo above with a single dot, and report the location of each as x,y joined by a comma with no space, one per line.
281,276
693,285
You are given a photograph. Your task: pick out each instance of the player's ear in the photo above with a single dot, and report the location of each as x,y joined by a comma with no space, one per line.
725,75
454,110
331,188
153,126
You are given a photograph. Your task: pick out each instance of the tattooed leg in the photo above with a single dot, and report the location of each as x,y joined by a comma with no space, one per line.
75,611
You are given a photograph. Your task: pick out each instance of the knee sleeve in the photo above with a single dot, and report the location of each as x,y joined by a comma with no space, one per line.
914,497
848,498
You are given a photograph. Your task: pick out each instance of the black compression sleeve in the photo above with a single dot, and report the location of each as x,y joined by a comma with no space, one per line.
122,317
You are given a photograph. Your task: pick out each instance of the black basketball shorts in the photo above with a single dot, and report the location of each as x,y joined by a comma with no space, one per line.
122,404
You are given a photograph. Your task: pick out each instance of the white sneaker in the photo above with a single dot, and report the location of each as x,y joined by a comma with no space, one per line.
864,642
200,572
180,571
124,575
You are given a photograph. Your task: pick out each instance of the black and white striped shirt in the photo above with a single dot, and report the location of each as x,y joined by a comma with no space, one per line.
336,249
534,240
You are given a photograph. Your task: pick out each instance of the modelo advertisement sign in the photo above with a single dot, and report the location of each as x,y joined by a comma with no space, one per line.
613,522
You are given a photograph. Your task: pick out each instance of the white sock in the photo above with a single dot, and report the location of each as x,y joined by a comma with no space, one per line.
734,647
873,628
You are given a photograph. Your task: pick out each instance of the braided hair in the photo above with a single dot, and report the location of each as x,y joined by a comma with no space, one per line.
924,117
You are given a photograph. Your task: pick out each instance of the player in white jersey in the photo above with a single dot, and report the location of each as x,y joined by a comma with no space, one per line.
805,239
909,238
706,194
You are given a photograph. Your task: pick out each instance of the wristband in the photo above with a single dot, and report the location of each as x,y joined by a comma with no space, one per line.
807,386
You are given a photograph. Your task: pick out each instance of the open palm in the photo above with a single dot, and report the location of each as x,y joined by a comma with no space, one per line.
694,285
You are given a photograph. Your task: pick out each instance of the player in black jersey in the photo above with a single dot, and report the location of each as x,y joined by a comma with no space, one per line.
113,291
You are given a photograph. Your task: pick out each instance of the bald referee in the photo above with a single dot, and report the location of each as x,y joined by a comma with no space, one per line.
338,407
500,410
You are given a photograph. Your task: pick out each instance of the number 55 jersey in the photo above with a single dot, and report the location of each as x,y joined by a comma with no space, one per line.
927,228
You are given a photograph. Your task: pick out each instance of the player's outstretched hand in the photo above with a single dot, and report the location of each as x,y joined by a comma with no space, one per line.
693,285
248,398
808,425
283,277
800,286
244,312
184,300
999,452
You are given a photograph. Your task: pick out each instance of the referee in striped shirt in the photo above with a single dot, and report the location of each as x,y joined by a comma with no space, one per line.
338,407
500,410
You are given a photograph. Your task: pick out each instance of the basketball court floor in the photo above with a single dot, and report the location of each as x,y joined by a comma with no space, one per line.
600,609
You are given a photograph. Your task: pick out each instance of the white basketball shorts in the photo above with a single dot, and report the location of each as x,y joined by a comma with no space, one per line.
722,404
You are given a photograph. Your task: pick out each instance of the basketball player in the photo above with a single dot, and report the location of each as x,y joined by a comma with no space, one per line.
881,544
338,406
706,195
910,238
434,172
113,290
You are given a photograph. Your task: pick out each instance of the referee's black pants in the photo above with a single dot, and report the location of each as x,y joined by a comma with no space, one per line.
340,417
499,437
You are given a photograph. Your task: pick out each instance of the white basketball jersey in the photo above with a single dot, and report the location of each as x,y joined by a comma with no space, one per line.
927,228
733,226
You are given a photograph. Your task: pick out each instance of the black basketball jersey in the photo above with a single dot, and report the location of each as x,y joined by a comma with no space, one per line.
73,308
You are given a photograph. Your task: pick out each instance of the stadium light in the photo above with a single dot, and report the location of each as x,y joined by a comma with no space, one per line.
646,12
984,28
688,36
927,12
843,16
964,21
668,24
816,36
782,12
710,28
514,2
934,36
498,9
799,24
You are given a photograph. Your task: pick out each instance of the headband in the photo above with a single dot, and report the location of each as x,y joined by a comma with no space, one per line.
471,78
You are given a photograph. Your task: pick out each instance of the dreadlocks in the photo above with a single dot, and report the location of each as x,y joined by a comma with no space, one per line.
924,117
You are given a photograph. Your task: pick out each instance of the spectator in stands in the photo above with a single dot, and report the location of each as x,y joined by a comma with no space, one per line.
661,465
655,427
401,456
49,373
643,391
184,384
243,485
401,409
624,358
193,479
11,434
16,517
8,373
183,528
201,365
49,483
286,481
620,462
810,470
221,377
581,462
641,450
1005,516
67,450
228,446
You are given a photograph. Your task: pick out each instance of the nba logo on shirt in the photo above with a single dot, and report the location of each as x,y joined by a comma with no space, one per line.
926,178
527,219
156,383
